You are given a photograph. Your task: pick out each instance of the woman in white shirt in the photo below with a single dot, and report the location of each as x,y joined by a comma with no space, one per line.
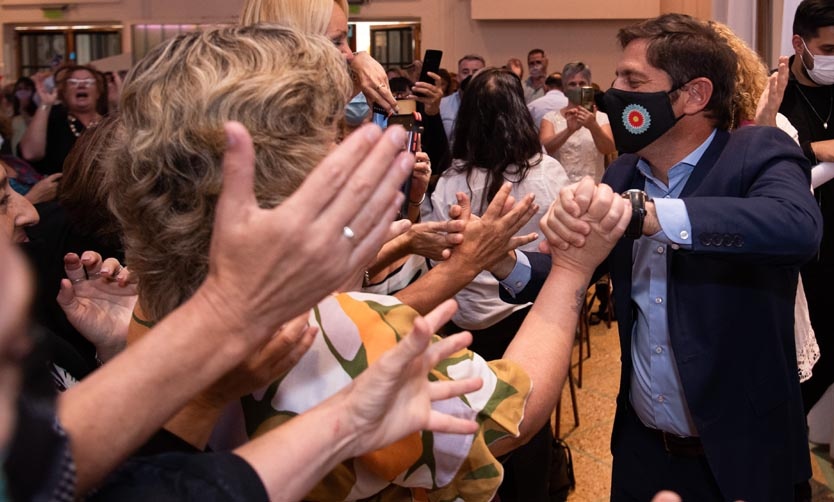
496,142
579,138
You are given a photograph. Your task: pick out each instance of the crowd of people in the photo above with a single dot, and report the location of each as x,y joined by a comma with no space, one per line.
221,279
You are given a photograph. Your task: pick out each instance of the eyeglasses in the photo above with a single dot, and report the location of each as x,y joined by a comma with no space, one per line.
77,82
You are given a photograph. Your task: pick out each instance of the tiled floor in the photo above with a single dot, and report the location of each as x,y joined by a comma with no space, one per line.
589,442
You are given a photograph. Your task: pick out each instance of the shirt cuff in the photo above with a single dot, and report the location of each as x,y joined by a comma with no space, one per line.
519,277
674,222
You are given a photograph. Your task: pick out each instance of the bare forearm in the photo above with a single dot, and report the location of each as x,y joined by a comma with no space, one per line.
33,143
543,345
553,143
311,444
442,282
116,409
393,251
603,140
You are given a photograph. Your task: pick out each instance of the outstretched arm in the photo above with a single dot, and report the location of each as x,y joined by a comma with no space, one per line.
388,401
543,344
486,241
239,306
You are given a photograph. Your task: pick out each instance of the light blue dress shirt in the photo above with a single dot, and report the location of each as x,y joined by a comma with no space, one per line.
656,391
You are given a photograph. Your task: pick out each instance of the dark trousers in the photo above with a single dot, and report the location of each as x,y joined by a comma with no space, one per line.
643,467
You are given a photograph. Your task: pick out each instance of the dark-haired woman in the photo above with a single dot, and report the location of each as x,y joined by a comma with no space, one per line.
496,142
55,127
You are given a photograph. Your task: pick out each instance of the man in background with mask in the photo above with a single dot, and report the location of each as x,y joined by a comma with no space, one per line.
705,279
534,85
808,104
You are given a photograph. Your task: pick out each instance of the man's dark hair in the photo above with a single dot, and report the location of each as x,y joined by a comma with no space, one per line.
495,131
553,81
686,49
471,57
811,15
535,51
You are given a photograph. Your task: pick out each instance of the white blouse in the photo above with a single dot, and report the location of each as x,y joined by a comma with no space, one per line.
579,155
479,303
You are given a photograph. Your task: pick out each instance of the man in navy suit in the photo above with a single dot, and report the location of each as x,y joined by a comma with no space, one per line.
704,285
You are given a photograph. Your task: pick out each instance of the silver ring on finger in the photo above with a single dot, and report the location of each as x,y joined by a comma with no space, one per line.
348,233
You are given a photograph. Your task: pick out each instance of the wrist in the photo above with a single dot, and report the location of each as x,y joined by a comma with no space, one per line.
504,267
419,202
241,330
45,106
106,352
651,225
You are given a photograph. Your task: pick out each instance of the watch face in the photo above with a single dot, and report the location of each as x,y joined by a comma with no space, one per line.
637,198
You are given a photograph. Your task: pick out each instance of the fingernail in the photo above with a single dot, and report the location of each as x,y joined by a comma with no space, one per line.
104,271
397,136
231,141
372,132
406,163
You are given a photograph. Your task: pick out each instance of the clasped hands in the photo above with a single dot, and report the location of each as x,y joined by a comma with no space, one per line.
583,224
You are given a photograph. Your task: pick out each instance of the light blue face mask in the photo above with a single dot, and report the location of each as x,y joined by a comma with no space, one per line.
357,111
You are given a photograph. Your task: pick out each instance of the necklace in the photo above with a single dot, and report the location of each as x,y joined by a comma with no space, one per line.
814,110
71,120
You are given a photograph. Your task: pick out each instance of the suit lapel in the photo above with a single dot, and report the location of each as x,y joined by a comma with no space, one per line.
706,163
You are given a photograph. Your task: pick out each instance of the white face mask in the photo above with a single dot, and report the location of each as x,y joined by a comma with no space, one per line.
823,71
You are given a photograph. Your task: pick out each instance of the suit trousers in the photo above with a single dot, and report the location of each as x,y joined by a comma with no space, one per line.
643,467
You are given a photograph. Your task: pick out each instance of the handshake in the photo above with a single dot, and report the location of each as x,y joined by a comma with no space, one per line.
583,224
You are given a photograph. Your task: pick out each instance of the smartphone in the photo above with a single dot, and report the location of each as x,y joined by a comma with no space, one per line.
411,121
582,96
431,63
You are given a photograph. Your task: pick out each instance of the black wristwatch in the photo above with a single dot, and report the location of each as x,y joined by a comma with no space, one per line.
638,199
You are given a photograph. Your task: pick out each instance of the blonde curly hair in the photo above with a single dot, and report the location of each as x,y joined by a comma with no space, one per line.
751,75
289,89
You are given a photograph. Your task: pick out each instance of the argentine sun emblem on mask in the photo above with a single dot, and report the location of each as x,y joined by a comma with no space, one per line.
636,119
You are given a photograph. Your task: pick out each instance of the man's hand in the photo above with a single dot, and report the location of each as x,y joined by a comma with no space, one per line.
562,225
428,94
607,215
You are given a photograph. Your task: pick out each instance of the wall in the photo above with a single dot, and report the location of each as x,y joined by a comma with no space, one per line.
446,24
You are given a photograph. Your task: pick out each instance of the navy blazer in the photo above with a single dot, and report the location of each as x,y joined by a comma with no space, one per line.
731,306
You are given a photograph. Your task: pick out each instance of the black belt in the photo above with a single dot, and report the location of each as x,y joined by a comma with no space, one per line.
678,445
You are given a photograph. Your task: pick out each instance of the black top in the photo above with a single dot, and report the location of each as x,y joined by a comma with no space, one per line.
59,141
183,476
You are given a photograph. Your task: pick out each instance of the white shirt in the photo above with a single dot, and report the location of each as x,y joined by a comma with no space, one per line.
554,100
449,107
480,304
579,155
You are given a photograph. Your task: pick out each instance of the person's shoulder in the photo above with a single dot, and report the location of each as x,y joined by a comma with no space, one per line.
760,135
552,116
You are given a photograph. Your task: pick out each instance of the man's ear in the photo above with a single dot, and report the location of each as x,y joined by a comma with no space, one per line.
798,45
695,95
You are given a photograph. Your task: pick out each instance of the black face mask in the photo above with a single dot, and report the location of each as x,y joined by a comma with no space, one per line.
637,118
